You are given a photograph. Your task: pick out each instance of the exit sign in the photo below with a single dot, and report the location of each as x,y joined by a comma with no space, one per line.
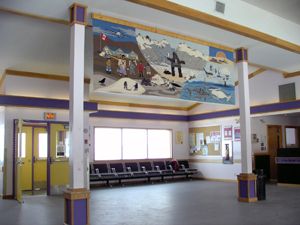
49,116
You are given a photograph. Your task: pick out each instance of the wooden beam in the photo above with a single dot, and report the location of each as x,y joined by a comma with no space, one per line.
293,74
253,74
126,104
202,17
193,106
41,75
160,31
49,19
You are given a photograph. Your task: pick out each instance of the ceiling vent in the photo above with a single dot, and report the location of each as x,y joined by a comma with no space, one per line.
220,7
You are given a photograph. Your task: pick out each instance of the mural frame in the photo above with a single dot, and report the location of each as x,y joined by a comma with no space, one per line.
213,67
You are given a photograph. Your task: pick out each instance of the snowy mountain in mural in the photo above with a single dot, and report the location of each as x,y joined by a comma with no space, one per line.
126,57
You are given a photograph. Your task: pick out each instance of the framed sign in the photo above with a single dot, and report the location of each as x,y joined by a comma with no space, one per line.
227,132
49,116
237,134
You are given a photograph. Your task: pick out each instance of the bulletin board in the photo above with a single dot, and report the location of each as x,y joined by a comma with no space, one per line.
205,141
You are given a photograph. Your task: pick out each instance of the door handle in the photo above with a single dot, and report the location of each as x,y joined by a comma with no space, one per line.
20,162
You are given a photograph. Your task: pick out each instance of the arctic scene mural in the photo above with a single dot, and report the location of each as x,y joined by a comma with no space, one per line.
128,60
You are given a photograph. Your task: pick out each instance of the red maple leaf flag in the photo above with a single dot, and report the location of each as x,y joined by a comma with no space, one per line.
103,37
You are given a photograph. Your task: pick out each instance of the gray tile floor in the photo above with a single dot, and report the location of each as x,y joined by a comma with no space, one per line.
173,203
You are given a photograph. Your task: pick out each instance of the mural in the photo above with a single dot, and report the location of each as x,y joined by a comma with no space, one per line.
128,60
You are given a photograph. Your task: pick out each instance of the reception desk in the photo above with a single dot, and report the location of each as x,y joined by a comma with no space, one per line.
288,165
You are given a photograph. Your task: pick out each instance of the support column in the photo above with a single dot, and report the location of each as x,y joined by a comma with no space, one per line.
77,196
246,180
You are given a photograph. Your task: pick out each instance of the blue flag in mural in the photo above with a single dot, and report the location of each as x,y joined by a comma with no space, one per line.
132,61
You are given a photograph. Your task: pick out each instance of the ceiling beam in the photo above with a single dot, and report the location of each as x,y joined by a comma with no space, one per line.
206,18
253,74
34,16
293,74
41,75
127,104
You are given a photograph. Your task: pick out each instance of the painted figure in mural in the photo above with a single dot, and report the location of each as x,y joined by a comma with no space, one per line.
140,67
132,67
108,65
176,62
148,70
125,85
136,87
122,66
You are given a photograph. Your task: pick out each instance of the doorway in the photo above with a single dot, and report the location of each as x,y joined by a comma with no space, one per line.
33,158
40,158
274,142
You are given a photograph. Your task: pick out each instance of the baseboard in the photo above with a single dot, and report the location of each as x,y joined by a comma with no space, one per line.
288,185
217,179
7,197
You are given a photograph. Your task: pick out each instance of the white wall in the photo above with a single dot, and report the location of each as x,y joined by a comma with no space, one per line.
250,16
180,151
2,121
259,127
37,87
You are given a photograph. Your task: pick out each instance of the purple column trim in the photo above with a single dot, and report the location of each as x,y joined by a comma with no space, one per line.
80,212
80,14
243,188
252,187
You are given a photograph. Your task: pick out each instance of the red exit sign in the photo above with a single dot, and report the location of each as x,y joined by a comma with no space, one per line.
49,116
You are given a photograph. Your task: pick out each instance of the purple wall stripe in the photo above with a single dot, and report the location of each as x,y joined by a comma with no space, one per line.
64,104
205,116
135,115
41,102
275,107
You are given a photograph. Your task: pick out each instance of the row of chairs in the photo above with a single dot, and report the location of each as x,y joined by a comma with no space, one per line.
138,170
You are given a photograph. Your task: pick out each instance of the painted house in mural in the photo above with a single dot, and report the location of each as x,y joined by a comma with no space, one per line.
135,61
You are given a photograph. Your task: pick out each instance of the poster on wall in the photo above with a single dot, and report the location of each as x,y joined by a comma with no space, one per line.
132,61
227,132
179,137
237,134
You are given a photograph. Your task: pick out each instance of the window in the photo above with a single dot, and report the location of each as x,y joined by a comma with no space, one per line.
43,145
108,143
159,144
134,143
290,136
131,143
22,145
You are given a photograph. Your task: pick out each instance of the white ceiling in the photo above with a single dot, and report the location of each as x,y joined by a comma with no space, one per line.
40,46
288,9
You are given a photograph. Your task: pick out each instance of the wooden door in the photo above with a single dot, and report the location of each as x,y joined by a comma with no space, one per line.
274,142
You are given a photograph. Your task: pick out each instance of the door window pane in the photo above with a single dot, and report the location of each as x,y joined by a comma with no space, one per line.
134,143
22,145
43,145
159,144
108,143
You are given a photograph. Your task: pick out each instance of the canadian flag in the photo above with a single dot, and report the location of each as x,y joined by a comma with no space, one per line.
103,37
